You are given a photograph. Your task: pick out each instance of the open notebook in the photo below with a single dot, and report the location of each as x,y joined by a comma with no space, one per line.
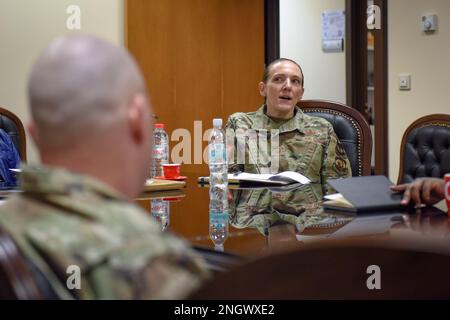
266,179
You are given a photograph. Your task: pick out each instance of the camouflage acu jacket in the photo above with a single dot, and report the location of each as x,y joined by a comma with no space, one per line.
62,219
262,209
304,144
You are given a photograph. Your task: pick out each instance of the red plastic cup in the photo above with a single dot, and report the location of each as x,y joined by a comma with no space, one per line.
171,170
447,192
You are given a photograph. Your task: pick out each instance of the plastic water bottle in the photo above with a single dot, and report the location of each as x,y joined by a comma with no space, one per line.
160,210
160,150
218,185
218,229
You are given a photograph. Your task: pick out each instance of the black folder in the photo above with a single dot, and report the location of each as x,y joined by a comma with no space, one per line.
367,193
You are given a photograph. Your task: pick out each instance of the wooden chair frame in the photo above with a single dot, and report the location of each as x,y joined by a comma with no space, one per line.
20,130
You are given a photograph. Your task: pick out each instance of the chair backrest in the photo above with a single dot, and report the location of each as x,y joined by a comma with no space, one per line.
425,148
336,271
350,127
16,278
12,125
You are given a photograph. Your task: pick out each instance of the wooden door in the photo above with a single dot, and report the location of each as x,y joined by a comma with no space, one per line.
202,59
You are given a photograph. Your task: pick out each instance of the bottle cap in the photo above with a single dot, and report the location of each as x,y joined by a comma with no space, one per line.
217,123
159,125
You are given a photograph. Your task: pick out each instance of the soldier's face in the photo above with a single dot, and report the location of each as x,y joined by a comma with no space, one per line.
283,89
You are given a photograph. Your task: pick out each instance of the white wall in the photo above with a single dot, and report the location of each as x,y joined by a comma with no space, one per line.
300,40
426,58
28,26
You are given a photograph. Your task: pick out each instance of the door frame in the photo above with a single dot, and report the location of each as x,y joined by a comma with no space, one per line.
356,65
271,30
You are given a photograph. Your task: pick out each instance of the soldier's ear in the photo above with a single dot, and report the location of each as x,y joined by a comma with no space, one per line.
262,89
137,119
34,133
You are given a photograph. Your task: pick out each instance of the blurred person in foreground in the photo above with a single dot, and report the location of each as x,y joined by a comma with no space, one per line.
91,123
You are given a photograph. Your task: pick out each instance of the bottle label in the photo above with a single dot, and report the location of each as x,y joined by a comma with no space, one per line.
217,153
218,218
158,206
158,152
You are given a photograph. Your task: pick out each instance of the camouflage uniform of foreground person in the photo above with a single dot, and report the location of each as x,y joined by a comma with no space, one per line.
307,144
91,123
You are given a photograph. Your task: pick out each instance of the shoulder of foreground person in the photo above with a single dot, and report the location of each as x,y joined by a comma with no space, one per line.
121,253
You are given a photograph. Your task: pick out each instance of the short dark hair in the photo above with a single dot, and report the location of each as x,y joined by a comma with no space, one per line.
265,76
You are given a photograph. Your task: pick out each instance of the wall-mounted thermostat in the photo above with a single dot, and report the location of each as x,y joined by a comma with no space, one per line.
429,22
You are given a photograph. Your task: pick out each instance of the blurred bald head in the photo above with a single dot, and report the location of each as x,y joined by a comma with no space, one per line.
90,112
80,86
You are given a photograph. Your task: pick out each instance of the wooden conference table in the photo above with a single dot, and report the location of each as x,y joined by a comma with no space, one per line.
270,226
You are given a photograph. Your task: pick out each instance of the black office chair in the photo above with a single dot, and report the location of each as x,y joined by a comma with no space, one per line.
425,148
12,125
16,277
351,128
